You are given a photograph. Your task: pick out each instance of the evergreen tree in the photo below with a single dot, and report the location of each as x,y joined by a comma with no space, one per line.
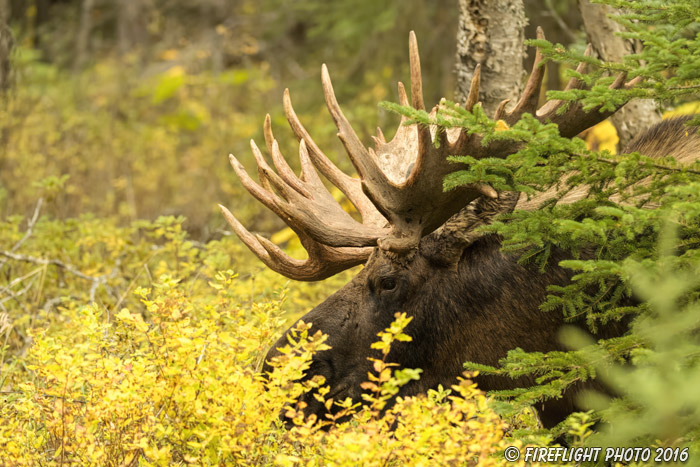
634,239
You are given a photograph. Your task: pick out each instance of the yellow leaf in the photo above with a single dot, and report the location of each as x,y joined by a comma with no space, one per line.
501,126
603,136
125,315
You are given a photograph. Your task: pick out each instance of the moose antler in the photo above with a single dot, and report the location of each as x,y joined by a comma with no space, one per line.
323,261
399,194
574,120
331,237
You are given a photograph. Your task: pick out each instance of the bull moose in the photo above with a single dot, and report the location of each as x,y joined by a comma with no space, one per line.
422,252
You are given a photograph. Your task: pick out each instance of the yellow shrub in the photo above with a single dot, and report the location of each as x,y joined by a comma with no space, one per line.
181,388
136,346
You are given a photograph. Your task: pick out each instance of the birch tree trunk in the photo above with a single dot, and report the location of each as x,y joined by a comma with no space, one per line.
637,115
490,32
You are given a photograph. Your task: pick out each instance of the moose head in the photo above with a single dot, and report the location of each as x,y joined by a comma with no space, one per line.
419,244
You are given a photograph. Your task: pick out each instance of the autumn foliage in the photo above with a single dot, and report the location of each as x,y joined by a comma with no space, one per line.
169,374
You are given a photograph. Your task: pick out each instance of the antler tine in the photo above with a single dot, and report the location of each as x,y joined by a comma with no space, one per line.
279,161
250,240
308,172
424,136
501,109
619,81
359,155
380,136
633,82
323,261
310,176
327,168
318,214
551,107
463,136
263,195
574,120
403,97
269,177
416,77
403,130
531,93
582,68
286,173
351,187
267,132
373,227
473,96
260,164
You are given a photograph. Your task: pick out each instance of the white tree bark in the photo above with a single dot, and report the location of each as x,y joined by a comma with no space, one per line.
491,32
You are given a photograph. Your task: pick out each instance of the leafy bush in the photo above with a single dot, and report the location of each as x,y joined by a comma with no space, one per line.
171,378
125,143
137,346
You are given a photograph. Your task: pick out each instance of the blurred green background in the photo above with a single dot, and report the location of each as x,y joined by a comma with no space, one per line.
129,109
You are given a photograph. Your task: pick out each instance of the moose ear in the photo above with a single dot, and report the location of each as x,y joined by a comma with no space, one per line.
445,246
442,252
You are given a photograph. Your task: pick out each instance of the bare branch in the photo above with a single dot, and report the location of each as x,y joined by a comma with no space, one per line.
30,229
96,280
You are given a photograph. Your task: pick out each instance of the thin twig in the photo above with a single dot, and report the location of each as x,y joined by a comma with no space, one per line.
43,394
560,21
55,262
30,224
683,88
15,295
656,166
201,355
30,229
8,287
96,280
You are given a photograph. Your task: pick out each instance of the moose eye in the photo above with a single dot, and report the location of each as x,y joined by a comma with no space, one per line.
387,284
